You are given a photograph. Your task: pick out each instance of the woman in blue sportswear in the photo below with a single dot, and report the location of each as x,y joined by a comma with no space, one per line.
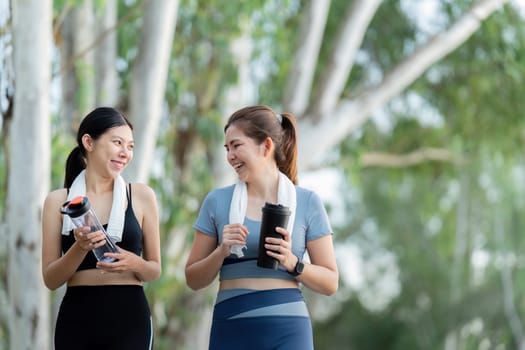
257,307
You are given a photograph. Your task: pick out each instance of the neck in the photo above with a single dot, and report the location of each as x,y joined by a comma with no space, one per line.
95,183
264,187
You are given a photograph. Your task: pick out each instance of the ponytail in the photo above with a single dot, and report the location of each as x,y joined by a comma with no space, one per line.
260,122
287,164
75,163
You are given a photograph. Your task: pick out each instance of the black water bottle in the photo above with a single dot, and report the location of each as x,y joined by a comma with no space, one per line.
273,215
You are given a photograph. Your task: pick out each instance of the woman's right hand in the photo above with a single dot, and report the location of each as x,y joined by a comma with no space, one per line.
88,240
233,234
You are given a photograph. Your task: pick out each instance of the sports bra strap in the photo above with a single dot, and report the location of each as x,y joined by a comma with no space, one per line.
128,194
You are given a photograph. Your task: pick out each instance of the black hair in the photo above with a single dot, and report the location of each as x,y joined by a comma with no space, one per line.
96,123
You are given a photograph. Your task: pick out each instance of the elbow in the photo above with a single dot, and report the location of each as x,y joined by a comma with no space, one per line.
50,284
332,289
193,283
52,288
156,272
332,286
329,290
50,278
193,287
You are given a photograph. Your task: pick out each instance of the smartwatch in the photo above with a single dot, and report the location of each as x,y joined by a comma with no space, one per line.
298,269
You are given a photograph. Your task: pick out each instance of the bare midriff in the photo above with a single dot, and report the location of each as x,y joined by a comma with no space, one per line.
96,277
257,283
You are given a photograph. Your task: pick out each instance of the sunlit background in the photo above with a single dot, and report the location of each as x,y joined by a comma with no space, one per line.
418,153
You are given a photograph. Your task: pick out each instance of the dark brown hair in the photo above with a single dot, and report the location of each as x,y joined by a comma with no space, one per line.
260,122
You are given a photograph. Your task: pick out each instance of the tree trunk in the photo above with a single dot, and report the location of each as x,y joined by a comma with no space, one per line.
84,59
77,64
28,174
237,96
349,39
106,78
148,82
511,310
68,79
300,77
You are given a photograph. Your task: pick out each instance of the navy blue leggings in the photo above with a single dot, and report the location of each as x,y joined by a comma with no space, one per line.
262,320
104,317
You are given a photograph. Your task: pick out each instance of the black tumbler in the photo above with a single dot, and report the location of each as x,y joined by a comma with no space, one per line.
273,215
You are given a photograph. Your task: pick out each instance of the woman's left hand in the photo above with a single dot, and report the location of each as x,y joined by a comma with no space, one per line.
125,261
281,249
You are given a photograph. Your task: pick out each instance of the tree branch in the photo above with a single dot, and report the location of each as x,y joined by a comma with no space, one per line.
349,39
340,120
300,77
434,50
380,159
148,82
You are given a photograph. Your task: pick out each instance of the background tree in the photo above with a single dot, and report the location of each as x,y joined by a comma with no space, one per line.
409,129
27,175
448,219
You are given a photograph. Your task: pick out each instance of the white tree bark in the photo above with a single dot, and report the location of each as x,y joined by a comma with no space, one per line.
338,121
77,63
349,39
68,79
300,77
106,78
378,159
148,82
28,174
237,96
84,56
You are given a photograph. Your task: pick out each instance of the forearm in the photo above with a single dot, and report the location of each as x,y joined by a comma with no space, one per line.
58,272
320,279
148,271
202,273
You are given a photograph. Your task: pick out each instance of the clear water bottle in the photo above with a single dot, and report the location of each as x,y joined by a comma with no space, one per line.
82,214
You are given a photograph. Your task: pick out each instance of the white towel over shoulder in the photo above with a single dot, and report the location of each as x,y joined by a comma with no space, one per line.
286,196
118,208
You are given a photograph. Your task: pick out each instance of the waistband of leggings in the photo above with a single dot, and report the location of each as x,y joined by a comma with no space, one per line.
235,303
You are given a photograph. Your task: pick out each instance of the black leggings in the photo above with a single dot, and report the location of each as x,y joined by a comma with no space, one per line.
104,317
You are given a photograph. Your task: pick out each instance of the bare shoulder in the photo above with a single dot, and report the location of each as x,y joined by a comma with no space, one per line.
54,200
142,192
144,202
56,197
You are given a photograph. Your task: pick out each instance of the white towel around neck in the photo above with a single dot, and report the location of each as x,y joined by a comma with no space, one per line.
118,208
286,196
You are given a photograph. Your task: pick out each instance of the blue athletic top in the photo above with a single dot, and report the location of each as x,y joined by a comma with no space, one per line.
131,238
311,222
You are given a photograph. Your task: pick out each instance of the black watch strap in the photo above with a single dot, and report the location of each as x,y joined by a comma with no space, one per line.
298,269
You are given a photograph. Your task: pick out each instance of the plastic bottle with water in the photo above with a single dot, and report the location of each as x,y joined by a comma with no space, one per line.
82,214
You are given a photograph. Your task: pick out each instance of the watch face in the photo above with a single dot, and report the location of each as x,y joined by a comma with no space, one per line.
299,267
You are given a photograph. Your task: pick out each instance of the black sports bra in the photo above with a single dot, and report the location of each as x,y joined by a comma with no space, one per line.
131,237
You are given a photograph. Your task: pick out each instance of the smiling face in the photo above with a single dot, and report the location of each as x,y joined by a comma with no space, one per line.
245,156
112,151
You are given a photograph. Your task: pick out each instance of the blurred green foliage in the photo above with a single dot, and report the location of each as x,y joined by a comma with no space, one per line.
451,230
